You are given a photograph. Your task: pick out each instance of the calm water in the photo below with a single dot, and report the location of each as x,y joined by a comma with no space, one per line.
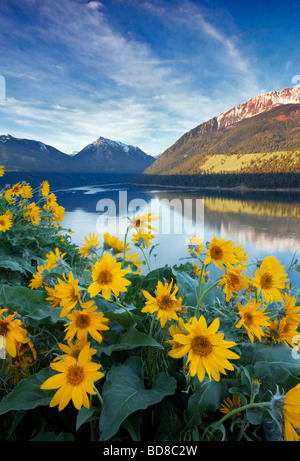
262,224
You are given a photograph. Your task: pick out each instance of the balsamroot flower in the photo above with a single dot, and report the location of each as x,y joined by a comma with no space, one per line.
108,277
270,279
195,245
85,322
90,246
253,319
75,379
234,281
165,303
12,332
6,221
291,413
207,350
221,252
141,223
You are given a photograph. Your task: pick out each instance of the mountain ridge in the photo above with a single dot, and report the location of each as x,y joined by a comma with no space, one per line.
21,154
262,124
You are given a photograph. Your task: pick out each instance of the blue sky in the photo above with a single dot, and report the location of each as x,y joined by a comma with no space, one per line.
138,71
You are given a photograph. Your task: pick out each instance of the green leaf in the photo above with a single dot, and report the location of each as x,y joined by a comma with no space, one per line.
29,303
130,340
53,437
205,398
27,394
124,393
272,365
187,288
84,415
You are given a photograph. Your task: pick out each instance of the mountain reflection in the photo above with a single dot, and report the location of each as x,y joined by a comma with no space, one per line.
264,224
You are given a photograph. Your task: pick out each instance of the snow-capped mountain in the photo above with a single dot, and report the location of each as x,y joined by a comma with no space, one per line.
102,156
107,156
18,154
258,125
255,106
259,104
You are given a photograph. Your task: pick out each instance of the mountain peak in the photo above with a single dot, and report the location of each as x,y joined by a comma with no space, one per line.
257,105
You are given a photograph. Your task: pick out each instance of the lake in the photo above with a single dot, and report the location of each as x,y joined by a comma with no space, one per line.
264,223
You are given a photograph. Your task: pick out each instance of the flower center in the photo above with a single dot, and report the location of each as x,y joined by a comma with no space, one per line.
233,280
2,222
137,223
248,319
201,346
83,321
266,281
165,302
105,277
216,252
3,328
75,375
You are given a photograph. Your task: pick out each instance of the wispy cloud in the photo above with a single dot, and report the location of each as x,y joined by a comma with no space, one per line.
84,77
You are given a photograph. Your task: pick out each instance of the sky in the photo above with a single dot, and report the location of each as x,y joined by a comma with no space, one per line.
143,72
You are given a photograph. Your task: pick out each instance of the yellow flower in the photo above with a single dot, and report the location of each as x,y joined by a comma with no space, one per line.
290,310
74,381
37,280
12,332
114,244
58,212
253,318
6,221
284,331
1,170
86,322
73,350
234,281
45,188
175,330
165,303
291,413
68,292
197,272
16,188
108,277
141,223
270,279
26,191
195,245
90,247
241,255
229,405
221,251
51,200
207,350
33,212
9,196
54,259
142,239
132,260
53,299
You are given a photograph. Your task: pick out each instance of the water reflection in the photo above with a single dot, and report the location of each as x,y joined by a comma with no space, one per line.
263,226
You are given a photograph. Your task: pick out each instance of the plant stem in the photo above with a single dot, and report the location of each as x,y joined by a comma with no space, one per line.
243,408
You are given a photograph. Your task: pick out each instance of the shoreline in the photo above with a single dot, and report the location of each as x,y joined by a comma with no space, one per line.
219,188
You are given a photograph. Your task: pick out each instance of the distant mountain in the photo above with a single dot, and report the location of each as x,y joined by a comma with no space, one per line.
102,156
266,124
18,154
106,156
